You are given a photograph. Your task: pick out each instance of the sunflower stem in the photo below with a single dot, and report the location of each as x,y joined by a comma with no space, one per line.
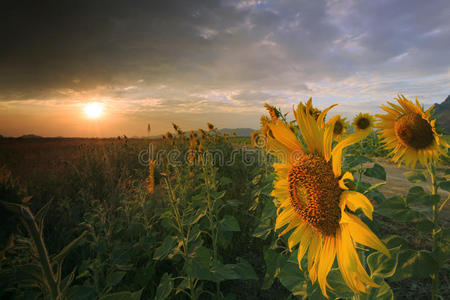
434,190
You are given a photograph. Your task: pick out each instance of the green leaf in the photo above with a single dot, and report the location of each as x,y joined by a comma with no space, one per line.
166,247
396,209
393,241
445,185
137,295
269,210
415,177
78,292
418,196
244,270
292,278
382,266
225,180
274,261
195,216
335,280
425,226
123,295
263,229
384,292
198,264
165,287
377,171
355,160
416,264
114,278
221,272
229,223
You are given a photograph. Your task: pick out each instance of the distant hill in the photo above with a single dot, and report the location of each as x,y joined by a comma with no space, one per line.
239,131
442,113
30,136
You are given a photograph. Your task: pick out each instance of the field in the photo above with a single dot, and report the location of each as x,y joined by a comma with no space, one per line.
200,227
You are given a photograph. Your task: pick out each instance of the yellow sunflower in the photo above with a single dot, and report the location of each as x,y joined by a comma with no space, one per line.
340,128
363,123
409,133
312,199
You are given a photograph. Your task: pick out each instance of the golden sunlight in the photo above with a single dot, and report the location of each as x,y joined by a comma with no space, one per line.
93,109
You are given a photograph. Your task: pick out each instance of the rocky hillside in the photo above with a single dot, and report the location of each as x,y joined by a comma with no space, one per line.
442,113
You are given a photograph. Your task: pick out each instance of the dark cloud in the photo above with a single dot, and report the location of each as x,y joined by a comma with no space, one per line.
199,47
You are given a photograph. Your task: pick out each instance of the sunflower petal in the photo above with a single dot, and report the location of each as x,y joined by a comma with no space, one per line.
337,150
355,200
284,135
326,261
363,235
347,175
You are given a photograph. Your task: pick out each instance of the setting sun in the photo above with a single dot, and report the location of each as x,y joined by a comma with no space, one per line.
93,110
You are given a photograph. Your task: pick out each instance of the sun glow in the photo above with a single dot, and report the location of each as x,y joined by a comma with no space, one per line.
93,110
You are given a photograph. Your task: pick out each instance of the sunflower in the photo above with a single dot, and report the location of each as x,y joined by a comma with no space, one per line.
409,133
210,126
340,127
363,122
313,200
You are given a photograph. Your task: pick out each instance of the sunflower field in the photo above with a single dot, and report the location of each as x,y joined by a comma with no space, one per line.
309,207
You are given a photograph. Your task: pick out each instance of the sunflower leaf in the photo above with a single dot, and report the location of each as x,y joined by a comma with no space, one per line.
418,196
229,223
355,160
445,185
415,177
381,265
416,264
395,208
164,288
166,247
377,171
384,292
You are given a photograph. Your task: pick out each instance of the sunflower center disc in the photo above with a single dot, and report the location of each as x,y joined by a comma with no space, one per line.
414,131
338,127
315,193
363,123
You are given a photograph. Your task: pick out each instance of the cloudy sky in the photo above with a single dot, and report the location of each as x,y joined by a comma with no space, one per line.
219,61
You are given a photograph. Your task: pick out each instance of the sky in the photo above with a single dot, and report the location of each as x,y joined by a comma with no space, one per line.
197,61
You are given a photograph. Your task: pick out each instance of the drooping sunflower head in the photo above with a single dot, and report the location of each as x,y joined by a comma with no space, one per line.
409,133
314,202
210,126
363,122
340,127
274,113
